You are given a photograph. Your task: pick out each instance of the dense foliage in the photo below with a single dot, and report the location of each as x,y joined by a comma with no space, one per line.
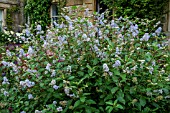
38,11
84,67
10,13
149,9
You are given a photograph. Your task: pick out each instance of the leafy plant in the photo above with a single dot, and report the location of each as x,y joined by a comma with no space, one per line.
138,8
80,66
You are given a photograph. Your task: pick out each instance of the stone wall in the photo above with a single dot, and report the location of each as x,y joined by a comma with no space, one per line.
17,17
90,4
9,1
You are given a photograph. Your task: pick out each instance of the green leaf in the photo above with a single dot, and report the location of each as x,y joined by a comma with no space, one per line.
128,63
110,42
121,99
119,106
116,72
108,97
71,78
115,102
41,84
82,99
126,58
90,102
146,110
27,73
80,73
123,76
77,103
86,93
88,110
95,61
138,105
101,109
50,90
142,102
86,76
109,103
89,67
115,78
113,90
132,90
74,7
47,98
41,70
109,109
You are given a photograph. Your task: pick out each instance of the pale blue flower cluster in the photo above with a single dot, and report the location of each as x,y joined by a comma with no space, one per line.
158,31
69,69
117,63
160,91
48,67
113,24
22,112
21,53
39,28
53,73
118,51
10,64
62,40
145,37
105,67
6,93
151,69
30,52
27,32
31,71
67,90
37,111
30,96
6,64
8,53
27,83
59,109
134,30
54,102
5,80
55,87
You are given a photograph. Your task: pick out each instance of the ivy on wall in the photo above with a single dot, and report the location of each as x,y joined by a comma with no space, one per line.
149,9
61,4
9,19
38,11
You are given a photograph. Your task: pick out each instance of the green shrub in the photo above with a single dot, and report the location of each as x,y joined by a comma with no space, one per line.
79,66
146,9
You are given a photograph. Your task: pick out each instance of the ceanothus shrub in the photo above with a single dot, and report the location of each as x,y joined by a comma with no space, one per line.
79,66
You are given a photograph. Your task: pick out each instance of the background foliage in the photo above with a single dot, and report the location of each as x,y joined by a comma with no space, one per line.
10,12
38,11
138,8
